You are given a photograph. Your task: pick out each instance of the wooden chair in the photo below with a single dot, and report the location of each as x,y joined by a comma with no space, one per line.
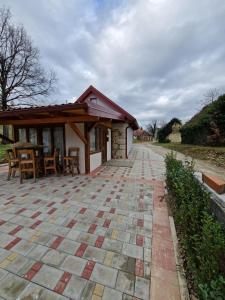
13,163
27,163
50,162
72,160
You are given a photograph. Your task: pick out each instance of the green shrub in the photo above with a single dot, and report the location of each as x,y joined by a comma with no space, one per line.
215,290
198,128
202,238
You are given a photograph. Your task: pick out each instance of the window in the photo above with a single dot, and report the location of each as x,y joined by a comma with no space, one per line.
58,139
95,139
50,137
47,140
33,136
93,100
22,135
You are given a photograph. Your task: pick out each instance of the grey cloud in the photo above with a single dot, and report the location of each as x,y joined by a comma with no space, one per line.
156,58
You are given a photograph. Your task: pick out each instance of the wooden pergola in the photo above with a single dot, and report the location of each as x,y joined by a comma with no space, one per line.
60,114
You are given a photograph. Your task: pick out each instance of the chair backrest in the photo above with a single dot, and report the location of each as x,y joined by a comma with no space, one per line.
24,154
73,151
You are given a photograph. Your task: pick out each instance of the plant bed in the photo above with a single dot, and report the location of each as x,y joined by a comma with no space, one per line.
201,237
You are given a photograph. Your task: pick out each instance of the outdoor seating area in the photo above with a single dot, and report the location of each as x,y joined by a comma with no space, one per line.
107,233
30,161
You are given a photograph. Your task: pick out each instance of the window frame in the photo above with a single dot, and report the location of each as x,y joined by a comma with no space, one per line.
98,140
39,129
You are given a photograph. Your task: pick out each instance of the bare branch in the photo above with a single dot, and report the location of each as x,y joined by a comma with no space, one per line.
211,95
22,79
152,127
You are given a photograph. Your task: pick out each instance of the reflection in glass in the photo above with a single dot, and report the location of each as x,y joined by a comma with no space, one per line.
22,135
58,140
33,136
46,138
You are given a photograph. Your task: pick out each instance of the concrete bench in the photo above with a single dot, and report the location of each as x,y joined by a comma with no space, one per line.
217,184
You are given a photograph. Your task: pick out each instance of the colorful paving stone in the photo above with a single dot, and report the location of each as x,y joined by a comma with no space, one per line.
102,236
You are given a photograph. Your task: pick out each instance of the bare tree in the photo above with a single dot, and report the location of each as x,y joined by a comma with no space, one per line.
211,95
152,128
22,79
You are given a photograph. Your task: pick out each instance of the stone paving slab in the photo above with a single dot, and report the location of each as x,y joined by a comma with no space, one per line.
101,236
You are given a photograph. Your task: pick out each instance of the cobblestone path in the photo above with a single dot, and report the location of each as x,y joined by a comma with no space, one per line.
103,236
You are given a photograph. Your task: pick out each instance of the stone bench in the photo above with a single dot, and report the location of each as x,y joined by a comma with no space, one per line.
215,183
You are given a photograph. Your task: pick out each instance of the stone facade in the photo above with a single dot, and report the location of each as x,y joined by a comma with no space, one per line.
119,140
175,136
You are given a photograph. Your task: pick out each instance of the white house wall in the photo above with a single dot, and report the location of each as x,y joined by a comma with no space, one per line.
72,140
95,160
109,145
96,100
129,139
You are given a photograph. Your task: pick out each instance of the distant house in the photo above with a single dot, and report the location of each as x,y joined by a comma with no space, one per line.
175,135
170,132
143,135
98,126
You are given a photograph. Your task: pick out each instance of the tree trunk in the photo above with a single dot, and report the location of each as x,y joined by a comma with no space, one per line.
5,130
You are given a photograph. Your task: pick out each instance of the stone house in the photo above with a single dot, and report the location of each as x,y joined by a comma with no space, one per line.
143,135
175,135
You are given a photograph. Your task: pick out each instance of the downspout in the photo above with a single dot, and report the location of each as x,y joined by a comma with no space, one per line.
126,141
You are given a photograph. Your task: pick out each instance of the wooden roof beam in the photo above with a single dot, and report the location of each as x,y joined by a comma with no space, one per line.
55,120
74,127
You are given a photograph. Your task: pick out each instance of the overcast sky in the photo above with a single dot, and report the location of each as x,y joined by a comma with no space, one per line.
155,58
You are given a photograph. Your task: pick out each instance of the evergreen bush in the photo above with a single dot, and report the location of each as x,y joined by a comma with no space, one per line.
199,127
202,238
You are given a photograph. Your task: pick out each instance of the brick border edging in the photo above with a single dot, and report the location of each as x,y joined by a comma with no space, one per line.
184,293
163,262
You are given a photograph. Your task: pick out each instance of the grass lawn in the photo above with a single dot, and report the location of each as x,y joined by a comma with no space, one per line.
2,152
215,155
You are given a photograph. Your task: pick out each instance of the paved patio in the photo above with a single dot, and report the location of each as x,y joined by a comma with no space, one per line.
103,236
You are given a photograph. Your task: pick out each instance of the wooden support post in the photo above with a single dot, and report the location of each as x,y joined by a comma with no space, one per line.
87,149
74,127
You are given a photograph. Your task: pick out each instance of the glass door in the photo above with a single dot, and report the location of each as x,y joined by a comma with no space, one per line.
47,140
33,136
58,133
22,135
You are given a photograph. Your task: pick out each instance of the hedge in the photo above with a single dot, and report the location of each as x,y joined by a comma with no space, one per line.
201,236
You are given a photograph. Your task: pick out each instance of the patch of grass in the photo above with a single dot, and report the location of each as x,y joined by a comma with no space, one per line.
3,149
216,155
